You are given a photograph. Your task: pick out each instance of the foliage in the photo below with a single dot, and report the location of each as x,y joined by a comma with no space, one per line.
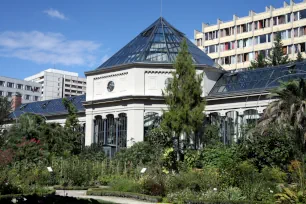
273,148
50,198
102,192
125,185
93,153
5,108
140,153
184,101
299,57
220,156
290,196
288,111
196,181
211,135
72,126
259,63
277,55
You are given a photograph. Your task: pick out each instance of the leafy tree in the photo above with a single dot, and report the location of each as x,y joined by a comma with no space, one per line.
299,57
289,111
185,104
277,55
259,63
273,148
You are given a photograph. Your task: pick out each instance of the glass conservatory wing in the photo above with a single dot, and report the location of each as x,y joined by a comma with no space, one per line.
257,80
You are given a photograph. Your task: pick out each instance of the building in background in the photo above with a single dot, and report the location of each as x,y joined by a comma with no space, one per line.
234,44
59,84
29,91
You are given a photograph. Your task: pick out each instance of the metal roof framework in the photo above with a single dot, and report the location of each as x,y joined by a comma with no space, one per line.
258,80
159,43
50,107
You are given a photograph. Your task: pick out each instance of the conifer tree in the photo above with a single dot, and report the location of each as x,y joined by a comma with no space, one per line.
185,104
259,63
277,55
72,126
299,57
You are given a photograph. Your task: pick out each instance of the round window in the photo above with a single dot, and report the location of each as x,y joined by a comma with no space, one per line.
110,86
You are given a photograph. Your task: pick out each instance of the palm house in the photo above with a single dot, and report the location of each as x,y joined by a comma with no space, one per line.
124,94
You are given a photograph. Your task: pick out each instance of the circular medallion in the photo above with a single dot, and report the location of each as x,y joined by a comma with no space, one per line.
110,86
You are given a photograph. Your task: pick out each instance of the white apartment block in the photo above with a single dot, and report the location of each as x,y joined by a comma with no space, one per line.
29,91
236,43
59,84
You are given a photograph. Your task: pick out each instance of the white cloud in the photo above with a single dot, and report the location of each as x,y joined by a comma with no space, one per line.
46,48
55,14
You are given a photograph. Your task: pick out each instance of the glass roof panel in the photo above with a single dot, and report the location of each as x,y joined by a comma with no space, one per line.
159,43
257,80
49,107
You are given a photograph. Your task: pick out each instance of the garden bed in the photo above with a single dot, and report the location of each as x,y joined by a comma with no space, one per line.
102,192
223,202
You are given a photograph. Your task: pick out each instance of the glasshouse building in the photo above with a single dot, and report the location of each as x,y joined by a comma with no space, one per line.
124,95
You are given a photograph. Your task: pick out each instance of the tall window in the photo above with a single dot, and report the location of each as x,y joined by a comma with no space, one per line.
19,86
2,83
10,84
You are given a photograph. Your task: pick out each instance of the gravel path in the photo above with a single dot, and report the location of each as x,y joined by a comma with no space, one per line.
82,194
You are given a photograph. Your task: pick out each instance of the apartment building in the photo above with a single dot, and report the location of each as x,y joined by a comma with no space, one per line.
29,91
234,44
59,84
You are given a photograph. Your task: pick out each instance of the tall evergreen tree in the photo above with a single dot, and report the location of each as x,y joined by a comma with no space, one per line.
72,126
277,55
259,63
299,57
185,104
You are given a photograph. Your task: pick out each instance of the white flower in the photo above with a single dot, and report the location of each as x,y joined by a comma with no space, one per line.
14,200
215,189
271,191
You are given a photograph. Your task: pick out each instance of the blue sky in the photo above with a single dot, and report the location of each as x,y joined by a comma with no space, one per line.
78,35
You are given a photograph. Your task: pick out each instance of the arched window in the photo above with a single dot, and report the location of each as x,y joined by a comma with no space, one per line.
122,130
151,121
110,130
98,136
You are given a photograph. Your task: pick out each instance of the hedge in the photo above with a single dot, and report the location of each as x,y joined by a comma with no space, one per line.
11,196
223,202
102,192
73,187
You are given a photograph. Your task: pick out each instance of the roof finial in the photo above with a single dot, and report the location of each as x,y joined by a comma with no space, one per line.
161,8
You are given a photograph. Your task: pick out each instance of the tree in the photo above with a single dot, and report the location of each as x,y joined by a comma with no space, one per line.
184,102
259,63
277,55
5,108
289,111
72,126
299,57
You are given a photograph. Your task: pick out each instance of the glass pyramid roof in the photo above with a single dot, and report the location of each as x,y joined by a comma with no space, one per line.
159,43
258,80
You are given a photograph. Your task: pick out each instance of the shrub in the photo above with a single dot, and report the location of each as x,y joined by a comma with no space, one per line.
152,185
101,192
275,148
194,180
125,185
